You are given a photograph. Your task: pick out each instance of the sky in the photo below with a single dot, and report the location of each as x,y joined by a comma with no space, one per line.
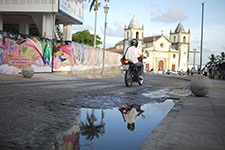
158,15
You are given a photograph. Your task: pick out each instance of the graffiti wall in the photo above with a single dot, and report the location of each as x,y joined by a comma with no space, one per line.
44,55
75,57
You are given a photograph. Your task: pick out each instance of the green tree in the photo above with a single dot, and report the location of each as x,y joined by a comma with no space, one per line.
33,30
59,32
222,56
96,4
14,28
212,59
85,37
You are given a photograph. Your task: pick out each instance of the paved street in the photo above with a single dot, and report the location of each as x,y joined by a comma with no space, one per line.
34,110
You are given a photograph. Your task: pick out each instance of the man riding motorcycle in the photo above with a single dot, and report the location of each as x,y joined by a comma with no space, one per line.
133,53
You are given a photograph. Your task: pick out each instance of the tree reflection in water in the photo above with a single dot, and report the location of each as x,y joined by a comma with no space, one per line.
88,127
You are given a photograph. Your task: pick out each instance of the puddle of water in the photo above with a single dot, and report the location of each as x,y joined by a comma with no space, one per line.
108,129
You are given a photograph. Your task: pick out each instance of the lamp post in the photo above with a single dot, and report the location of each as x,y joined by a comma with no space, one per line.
106,9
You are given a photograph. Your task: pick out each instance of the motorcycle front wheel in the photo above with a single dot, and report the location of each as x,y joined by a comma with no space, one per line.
128,78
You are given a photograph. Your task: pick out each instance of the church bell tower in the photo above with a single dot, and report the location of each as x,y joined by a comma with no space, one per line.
180,40
133,31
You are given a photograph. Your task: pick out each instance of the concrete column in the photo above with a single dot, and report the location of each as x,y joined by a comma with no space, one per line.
24,28
43,25
1,22
67,32
48,24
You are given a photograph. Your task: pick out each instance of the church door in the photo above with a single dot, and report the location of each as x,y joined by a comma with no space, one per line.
160,68
147,67
173,67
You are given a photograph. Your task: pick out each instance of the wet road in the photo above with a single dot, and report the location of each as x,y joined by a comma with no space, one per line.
48,114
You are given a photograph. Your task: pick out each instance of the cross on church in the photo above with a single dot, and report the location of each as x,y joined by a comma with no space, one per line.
194,52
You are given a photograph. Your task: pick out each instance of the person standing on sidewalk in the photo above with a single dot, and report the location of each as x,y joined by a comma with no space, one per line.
192,71
205,71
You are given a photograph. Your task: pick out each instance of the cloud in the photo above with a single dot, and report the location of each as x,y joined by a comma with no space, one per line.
223,48
76,28
173,14
116,31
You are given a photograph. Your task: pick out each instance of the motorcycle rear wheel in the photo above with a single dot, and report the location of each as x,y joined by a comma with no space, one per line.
128,78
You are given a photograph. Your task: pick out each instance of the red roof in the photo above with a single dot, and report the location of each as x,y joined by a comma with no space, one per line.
119,43
150,39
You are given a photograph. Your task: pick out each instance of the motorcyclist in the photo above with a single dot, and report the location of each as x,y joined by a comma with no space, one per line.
132,115
132,53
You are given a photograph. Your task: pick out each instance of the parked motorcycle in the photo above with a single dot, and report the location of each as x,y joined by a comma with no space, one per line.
131,74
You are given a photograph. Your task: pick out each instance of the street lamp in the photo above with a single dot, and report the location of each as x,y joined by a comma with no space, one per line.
106,9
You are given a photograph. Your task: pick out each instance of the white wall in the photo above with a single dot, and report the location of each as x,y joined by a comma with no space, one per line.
165,43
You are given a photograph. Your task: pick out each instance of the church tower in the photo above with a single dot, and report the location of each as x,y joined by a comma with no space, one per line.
180,40
133,31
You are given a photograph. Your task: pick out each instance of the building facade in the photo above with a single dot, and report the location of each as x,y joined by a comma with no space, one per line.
162,53
44,13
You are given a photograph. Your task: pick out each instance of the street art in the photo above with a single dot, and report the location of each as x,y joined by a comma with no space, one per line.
17,51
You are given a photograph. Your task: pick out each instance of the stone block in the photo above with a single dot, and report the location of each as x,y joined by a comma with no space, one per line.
28,71
200,85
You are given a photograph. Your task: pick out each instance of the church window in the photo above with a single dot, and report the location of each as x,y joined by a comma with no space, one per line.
184,39
137,35
162,45
174,39
128,35
174,55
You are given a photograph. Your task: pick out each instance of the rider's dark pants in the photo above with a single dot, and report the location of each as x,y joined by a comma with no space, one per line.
140,67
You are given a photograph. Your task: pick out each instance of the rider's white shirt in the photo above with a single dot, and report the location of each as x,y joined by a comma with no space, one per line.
133,53
131,116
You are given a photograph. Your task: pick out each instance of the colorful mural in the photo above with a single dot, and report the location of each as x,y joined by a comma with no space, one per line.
17,51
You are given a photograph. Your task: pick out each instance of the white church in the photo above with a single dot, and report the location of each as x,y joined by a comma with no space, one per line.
162,53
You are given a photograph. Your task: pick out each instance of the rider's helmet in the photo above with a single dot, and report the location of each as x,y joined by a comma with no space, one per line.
134,42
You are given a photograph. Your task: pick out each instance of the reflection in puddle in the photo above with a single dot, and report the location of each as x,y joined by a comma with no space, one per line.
126,127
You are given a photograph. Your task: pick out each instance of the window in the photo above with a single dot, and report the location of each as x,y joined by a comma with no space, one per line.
137,35
128,35
162,45
174,39
174,55
184,39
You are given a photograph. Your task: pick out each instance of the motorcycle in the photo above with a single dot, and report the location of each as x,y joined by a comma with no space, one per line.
131,74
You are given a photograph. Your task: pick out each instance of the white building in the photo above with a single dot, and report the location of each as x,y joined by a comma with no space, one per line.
162,53
44,13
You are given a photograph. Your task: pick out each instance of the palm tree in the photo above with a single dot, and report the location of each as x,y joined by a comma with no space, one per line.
222,55
89,129
95,4
212,59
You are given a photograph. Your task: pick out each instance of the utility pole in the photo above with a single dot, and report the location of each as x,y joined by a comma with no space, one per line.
106,9
201,36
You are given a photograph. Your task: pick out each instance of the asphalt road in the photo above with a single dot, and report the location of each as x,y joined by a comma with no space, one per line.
32,111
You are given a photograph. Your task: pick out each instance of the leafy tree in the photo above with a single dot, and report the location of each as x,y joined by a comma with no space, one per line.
59,32
222,56
85,37
14,28
212,59
33,30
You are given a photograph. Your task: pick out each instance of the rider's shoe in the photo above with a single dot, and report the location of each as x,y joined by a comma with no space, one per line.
141,77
